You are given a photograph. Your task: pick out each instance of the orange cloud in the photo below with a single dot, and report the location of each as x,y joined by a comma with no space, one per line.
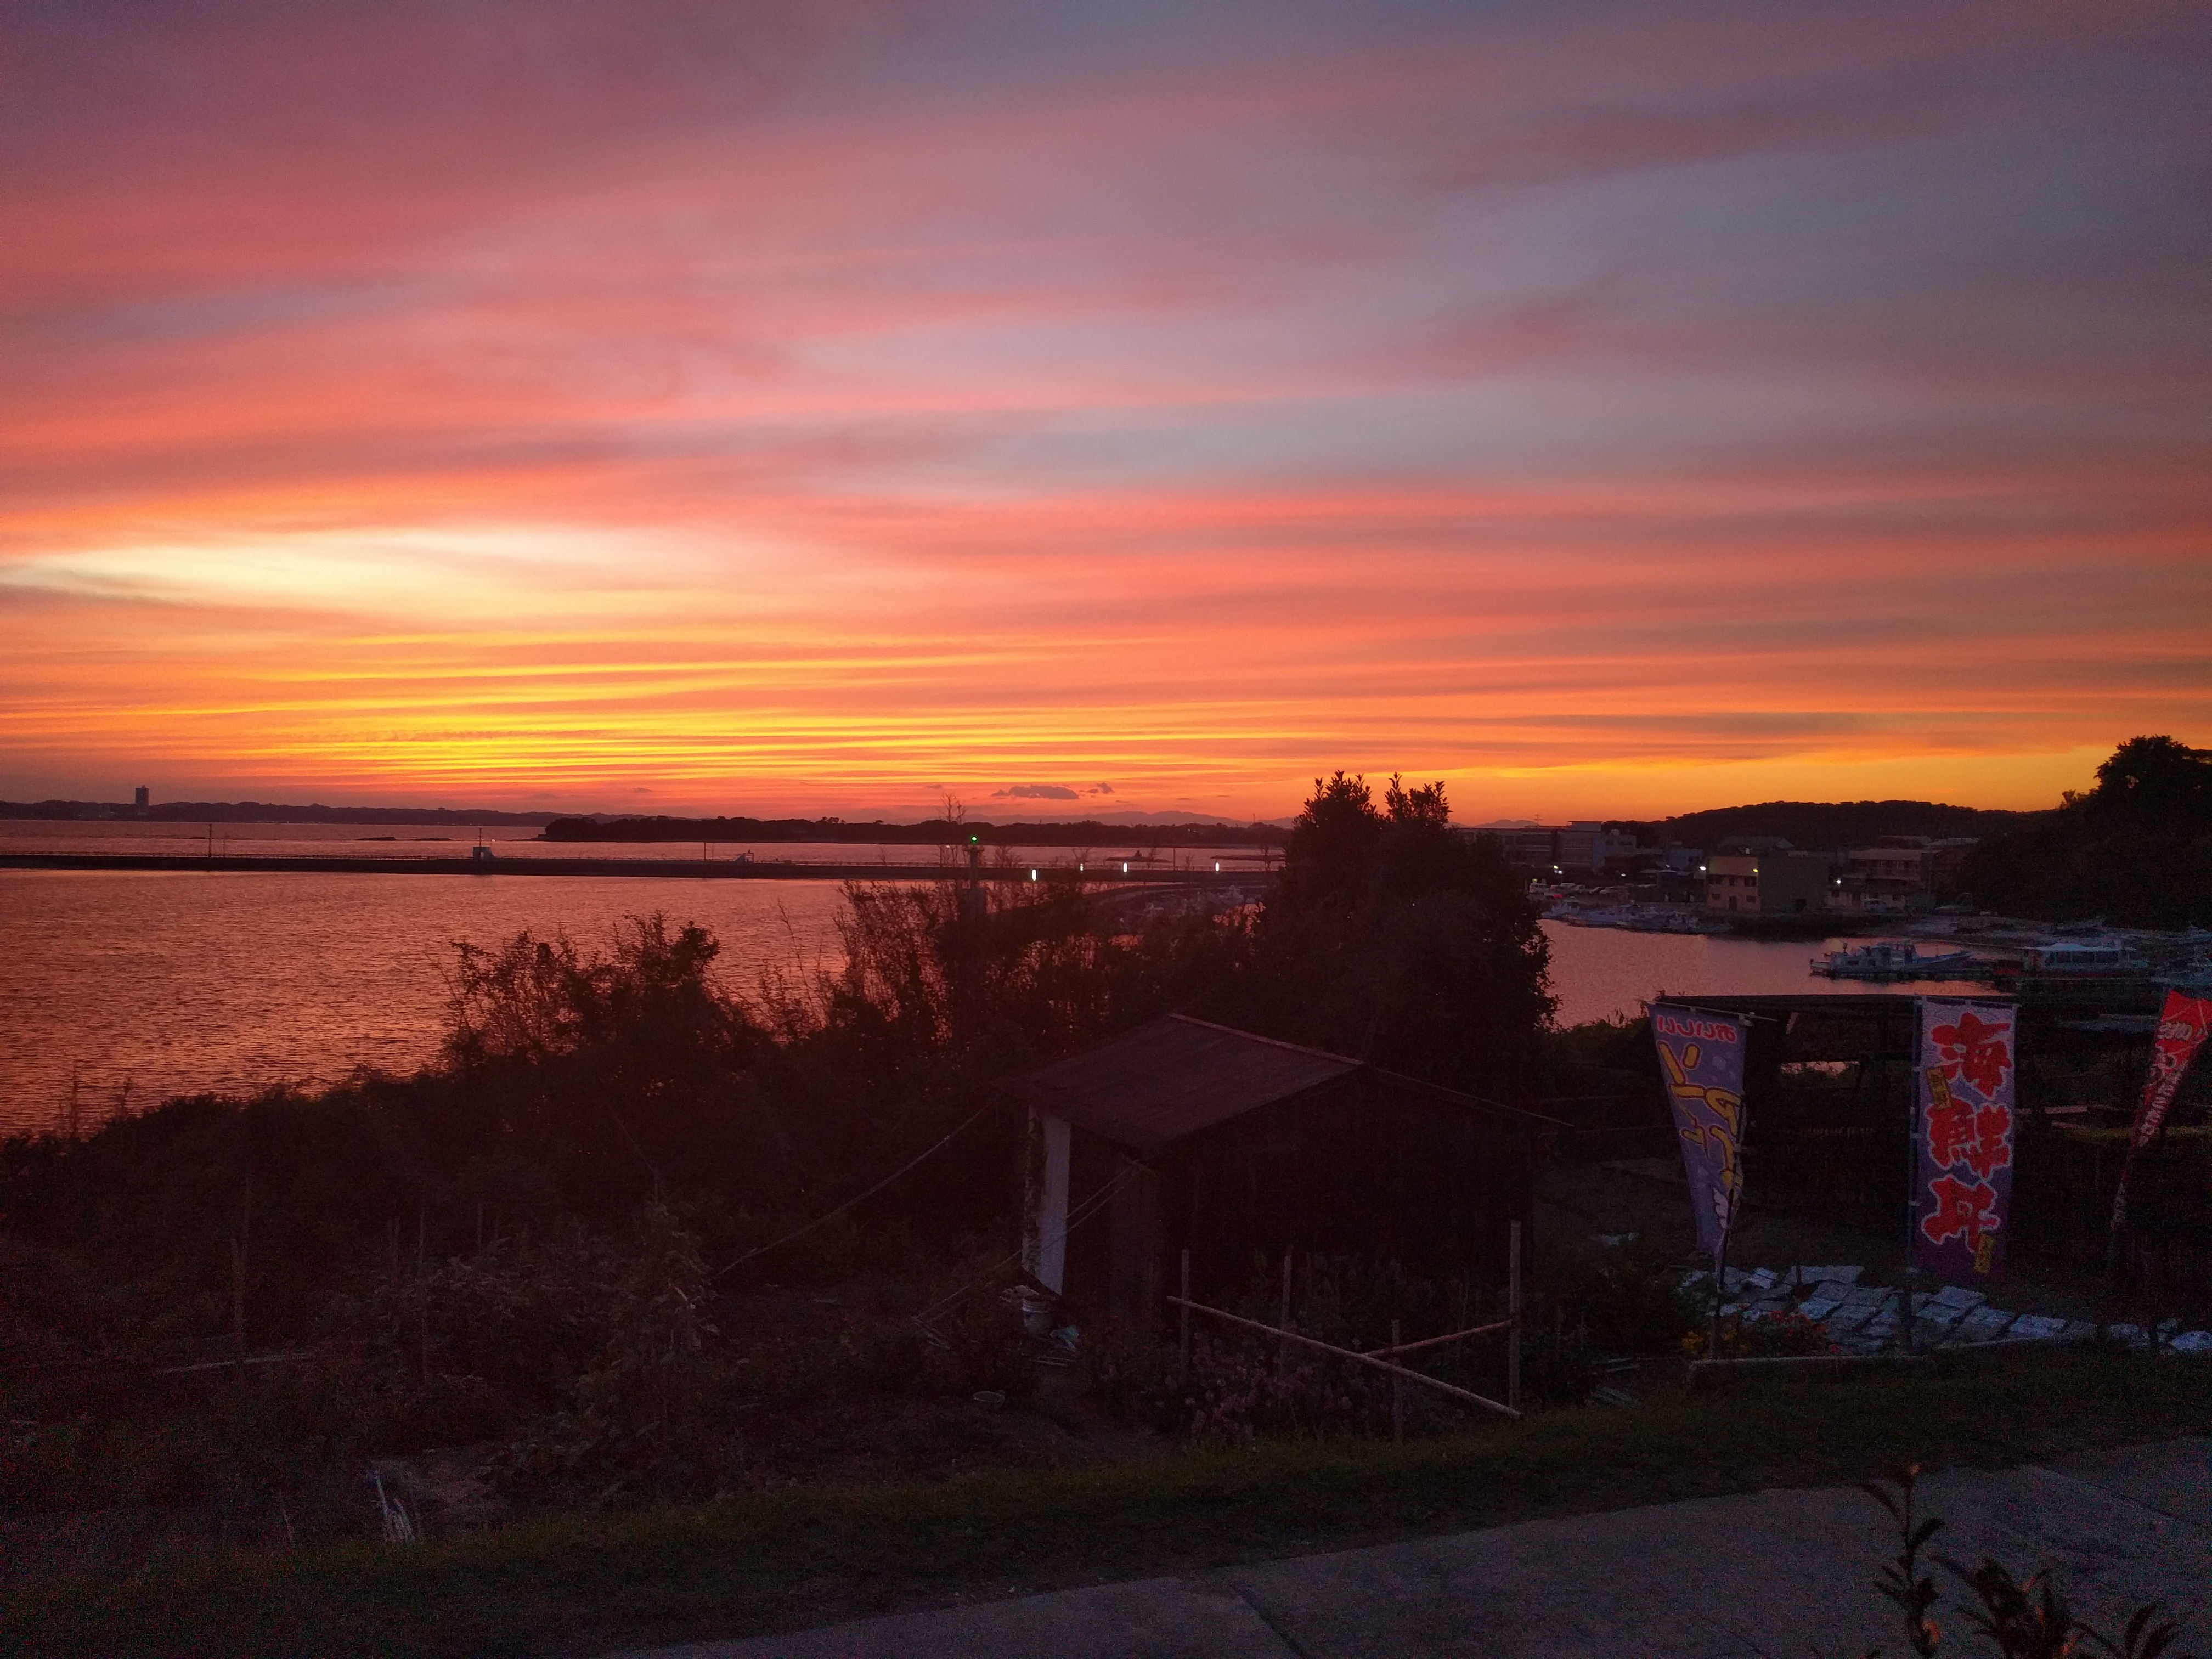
802,409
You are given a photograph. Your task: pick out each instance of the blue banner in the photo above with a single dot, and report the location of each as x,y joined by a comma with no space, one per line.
1702,1057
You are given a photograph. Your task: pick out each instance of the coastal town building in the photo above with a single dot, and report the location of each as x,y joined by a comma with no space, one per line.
1900,875
1766,884
1585,847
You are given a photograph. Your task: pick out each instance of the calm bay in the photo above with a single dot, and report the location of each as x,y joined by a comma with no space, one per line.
120,988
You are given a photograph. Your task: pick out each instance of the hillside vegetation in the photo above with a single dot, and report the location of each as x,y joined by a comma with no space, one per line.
2136,850
1824,824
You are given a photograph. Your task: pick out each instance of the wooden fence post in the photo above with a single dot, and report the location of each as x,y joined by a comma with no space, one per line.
238,1304
1513,1313
1183,1337
1397,1391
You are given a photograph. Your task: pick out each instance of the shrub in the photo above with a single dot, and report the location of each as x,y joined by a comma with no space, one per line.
1235,1392
1629,1298
1123,1366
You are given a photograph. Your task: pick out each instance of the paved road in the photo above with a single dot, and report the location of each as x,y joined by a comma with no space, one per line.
1783,1573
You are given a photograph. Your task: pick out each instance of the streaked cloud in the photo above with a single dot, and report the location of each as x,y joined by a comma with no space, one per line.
812,406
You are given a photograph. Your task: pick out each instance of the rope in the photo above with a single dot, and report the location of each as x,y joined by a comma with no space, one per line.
822,1220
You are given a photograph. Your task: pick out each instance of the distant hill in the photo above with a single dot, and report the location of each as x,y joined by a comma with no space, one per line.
256,812
1818,825
931,832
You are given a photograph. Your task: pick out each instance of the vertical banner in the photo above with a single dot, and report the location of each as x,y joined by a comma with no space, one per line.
1702,1055
2183,1024
1965,1129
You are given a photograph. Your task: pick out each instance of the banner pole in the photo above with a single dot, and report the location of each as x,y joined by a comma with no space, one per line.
1728,1227
1912,1131
1720,1290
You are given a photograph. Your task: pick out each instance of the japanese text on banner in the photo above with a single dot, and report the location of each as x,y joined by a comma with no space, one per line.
1702,1057
1965,1129
2182,1026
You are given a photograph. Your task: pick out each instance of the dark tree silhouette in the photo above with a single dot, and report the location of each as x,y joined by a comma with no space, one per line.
1397,939
2137,850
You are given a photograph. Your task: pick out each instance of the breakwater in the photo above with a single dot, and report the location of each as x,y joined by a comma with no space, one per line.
702,869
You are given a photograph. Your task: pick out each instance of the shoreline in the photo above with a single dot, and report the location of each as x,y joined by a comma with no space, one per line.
689,869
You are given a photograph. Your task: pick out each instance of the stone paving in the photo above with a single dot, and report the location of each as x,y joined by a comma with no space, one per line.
1766,1575
1863,1318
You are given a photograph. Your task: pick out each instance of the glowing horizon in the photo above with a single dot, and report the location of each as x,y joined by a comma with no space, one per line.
822,408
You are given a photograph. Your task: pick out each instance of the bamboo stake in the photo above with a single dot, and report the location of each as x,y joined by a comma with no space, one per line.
1513,1317
238,1305
1183,1315
1282,1351
1449,1336
1424,1380
1397,1392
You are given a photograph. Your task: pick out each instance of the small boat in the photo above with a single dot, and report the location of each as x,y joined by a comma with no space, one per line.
1890,959
2103,956
1605,916
1674,919
2193,976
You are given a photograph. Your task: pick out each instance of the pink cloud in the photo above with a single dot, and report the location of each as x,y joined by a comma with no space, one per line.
874,394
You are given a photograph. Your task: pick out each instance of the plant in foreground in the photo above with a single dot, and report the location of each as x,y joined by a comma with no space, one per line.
2025,1618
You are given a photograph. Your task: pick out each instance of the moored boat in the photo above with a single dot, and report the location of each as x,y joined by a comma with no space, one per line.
1891,959
2101,957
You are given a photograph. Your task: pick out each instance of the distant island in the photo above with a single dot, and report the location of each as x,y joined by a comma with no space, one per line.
256,812
930,832
1803,823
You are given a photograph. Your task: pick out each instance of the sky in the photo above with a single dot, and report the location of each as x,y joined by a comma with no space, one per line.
1609,410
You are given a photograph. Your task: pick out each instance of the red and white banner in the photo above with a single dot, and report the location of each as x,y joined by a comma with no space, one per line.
2183,1024
1965,1129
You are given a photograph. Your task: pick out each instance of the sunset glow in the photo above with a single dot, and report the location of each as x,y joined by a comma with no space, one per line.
814,407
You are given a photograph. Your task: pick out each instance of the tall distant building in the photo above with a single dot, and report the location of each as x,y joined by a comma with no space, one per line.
142,799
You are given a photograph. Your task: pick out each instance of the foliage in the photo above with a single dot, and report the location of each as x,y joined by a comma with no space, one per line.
1785,1335
985,1347
757,1561
2022,1619
1393,938
2137,850
1237,1390
1629,1298
519,1243
1820,825
1123,1366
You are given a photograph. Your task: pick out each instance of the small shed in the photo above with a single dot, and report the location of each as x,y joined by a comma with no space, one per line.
1184,1134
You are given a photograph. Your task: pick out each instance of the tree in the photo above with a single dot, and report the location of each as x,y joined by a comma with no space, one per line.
2157,779
1396,938
2137,850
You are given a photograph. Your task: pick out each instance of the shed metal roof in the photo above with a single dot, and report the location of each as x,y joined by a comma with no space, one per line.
1170,1078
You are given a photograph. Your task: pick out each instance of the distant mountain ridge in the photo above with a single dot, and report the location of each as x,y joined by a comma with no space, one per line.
1819,825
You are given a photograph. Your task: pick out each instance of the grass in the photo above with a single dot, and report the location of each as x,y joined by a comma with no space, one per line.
806,1555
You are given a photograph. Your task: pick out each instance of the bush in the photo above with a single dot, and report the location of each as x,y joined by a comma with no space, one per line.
1629,1298
1123,1366
1235,1392
1785,1336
